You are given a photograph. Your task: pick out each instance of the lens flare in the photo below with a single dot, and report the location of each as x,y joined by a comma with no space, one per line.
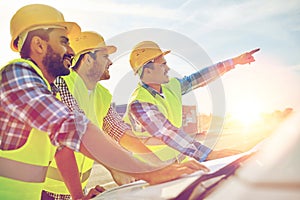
247,112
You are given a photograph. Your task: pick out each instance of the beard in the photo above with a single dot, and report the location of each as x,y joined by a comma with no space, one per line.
105,75
54,63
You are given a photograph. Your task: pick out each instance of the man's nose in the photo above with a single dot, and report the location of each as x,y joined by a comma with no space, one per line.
167,67
109,62
70,51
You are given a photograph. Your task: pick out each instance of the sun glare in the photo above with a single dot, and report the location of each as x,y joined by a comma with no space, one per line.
247,112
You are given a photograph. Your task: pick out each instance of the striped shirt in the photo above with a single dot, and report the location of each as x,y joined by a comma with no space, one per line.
26,103
147,117
113,125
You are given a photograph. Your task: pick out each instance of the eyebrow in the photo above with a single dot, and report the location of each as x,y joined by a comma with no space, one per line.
163,63
64,38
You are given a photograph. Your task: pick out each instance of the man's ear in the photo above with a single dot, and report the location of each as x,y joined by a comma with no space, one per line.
89,60
147,70
86,58
38,45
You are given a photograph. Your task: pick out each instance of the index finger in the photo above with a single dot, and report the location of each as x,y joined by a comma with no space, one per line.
254,51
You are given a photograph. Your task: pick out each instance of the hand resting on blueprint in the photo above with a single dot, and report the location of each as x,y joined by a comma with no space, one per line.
173,171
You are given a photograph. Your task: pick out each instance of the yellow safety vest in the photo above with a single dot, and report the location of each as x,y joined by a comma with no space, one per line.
23,170
170,106
95,105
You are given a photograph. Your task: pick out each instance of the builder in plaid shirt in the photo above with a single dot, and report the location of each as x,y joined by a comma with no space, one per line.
90,65
154,109
31,117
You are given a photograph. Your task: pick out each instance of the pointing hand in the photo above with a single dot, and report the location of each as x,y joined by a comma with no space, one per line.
245,57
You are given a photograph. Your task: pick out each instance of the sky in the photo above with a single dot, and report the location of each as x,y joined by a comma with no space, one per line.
199,33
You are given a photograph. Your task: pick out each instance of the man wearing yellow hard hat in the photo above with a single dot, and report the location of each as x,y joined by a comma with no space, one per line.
90,65
155,107
32,117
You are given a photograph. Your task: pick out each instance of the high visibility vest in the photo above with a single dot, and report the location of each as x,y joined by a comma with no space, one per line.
95,105
170,106
23,170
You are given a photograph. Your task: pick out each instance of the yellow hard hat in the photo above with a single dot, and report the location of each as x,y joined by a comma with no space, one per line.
38,15
144,52
89,41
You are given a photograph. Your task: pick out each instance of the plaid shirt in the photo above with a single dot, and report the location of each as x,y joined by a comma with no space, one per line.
147,117
113,124
26,103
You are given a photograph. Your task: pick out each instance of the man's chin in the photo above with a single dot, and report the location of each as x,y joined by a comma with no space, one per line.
167,80
65,72
105,77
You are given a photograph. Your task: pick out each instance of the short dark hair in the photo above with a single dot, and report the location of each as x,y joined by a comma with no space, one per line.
92,54
147,65
42,33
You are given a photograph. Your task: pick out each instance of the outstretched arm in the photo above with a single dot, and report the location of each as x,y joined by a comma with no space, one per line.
96,146
208,74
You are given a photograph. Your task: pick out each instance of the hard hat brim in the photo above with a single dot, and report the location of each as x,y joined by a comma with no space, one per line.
166,52
154,57
73,30
107,49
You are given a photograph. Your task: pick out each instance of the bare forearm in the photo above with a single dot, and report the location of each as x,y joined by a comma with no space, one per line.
99,147
133,144
66,163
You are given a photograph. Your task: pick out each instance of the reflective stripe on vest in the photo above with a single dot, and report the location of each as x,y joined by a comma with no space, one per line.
54,174
170,106
95,106
23,170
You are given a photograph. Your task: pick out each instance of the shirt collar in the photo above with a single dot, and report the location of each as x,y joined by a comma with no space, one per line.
31,60
151,90
54,89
